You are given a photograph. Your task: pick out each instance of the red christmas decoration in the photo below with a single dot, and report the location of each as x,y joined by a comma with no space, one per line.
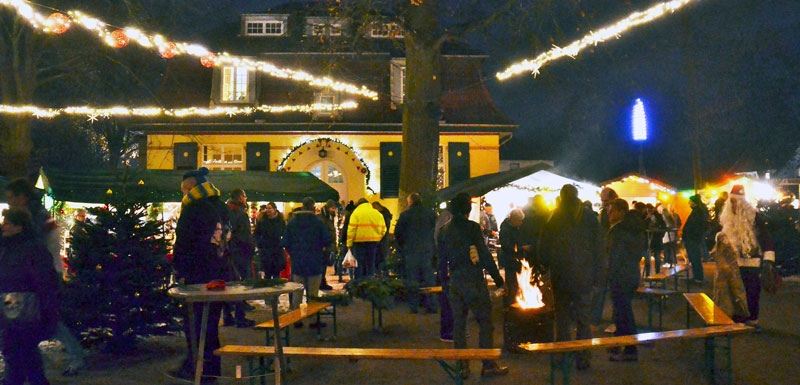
208,60
119,38
168,50
58,23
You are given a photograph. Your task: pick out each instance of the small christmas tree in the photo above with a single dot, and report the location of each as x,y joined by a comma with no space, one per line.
119,276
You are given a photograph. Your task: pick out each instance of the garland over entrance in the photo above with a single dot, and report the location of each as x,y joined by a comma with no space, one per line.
326,144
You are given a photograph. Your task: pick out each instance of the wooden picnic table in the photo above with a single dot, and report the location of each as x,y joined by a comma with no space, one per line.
234,293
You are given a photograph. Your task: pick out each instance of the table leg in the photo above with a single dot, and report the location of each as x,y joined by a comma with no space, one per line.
280,364
192,331
198,371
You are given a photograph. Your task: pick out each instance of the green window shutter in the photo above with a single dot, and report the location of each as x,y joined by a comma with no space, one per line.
458,162
185,156
257,156
390,168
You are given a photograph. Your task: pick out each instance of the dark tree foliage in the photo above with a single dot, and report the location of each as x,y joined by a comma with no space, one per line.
117,288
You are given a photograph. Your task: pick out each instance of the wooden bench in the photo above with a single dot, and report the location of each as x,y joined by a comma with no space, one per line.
656,297
674,271
288,319
707,310
711,315
354,354
569,348
430,290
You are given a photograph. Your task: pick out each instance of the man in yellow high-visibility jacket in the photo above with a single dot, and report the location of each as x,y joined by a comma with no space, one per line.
364,233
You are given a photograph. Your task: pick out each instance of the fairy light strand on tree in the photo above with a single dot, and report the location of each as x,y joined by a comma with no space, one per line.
60,22
593,38
93,113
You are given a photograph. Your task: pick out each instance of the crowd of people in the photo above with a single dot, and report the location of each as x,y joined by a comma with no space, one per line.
586,257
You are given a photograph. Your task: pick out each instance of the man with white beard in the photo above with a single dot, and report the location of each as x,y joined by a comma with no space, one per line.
746,232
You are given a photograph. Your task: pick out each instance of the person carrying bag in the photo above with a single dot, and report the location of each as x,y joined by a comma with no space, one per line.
29,293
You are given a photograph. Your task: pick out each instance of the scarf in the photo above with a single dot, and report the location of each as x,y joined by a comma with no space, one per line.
203,190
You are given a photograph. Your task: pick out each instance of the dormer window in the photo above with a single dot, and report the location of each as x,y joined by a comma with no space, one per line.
324,100
264,25
323,26
386,31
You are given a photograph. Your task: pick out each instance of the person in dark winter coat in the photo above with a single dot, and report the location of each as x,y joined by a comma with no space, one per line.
462,249
269,234
694,234
536,215
307,240
26,267
21,194
600,289
414,235
624,246
569,249
241,250
510,258
199,258
511,254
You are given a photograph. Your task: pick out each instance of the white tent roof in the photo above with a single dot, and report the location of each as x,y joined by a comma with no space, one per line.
545,183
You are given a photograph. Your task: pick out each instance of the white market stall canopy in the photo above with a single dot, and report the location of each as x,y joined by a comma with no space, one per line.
545,183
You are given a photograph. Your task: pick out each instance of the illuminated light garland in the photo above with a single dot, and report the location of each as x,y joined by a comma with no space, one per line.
593,38
59,23
95,113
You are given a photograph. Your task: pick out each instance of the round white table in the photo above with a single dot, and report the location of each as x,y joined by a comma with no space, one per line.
198,293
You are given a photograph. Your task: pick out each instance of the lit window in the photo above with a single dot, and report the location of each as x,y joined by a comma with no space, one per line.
336,30
234,84
223,156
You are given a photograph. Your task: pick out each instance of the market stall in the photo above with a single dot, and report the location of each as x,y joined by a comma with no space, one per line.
516,194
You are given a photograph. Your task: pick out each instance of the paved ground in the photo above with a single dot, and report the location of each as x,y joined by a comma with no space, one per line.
770,357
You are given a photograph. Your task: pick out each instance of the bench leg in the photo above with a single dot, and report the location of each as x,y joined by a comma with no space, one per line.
563,363
710,359
335,331
688,311
453,372
649,313
660,313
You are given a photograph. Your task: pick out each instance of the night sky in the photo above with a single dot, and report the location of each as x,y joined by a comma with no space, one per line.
733,65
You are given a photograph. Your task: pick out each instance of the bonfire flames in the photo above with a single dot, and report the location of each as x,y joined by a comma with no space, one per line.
529,296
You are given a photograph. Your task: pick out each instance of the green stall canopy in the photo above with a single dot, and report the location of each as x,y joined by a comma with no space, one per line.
480,185
94,186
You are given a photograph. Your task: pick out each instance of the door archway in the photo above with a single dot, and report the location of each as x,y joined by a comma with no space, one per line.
333,162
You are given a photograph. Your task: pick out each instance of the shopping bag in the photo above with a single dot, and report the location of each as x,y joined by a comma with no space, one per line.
349,261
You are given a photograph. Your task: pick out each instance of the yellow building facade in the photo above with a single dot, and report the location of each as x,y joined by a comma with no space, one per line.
351,163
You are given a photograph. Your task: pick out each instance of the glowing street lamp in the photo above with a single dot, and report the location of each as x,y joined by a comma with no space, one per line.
639,123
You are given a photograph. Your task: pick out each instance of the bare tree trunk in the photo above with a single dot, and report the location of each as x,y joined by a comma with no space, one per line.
422,104
18,48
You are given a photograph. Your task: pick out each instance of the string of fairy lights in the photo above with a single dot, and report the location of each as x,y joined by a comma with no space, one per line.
60,22
593,38
95,113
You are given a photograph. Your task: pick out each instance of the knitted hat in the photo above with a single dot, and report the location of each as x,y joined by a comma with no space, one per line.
199,175
696,199
737,190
